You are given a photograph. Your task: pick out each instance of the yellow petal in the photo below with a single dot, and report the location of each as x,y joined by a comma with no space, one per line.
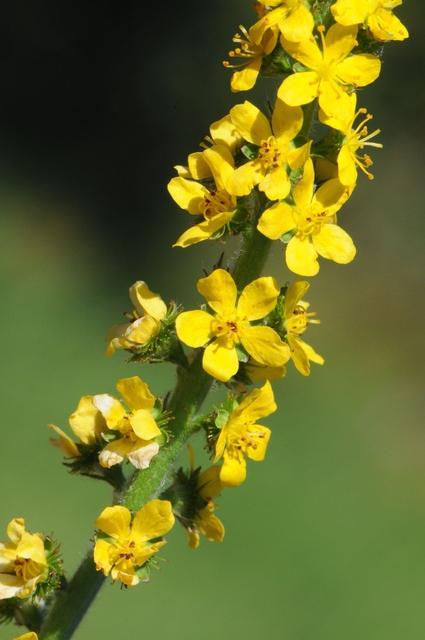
136,393
312,355
153,520
299,88
295,292
261,438
298,156
342,121
298,25
127,574
220,362
347,12
307,52
233,471
264,345
110,408
141,331
243,179
340,41
245,79
303,191
115,522
198,168
64,443
115,452
144,425
259,403
258,298
333,99
386,26
204,230
102,556
10,586
259,30
193,538
142,453
114,338
276,221
219,290
359,70
15,529
220,161
251,123
194,328
330,196
220,444
145,301
287,121
31,547
301,257
223,131
299,356
276,184
209,483
335,244
189,195
86,421
28,636
347,170
211,526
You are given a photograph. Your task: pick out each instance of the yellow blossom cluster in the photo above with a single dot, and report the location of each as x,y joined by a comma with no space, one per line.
278,174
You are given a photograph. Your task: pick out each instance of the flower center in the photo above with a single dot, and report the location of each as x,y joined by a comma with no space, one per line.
359,138
226,330
269,154
25,568
309,222
216,202
127,550
246,49
298,322
240,445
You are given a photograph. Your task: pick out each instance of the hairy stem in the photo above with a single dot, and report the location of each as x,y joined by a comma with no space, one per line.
192,387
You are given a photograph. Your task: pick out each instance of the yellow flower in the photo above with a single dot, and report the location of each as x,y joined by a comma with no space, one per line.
231,324
251,53
215,204
292,17
242,437
28,636
149,311
96,416
138,428
356,138
128,544
23,561
205,521
296,319
375,15
330,72
275,148
311,220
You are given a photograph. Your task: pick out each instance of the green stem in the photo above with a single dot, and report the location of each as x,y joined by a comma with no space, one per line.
191,390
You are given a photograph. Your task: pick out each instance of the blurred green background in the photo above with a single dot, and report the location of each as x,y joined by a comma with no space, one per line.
326,538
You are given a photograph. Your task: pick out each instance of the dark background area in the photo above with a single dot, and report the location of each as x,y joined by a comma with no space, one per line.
325,540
